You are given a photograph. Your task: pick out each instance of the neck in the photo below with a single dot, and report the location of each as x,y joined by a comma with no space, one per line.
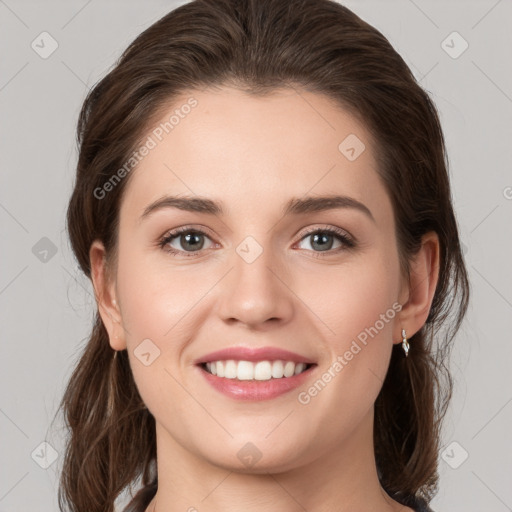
344,478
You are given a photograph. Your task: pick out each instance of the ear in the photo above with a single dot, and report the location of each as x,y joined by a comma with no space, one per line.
417,294
105,293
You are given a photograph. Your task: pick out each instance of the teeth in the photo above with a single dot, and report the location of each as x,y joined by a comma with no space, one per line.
230,370
289,369
277,369
261,370
245,370
299,368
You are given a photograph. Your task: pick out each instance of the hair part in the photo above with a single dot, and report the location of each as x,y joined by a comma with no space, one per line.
259,46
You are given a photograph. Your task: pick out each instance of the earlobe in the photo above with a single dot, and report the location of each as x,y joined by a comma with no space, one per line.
424,274
104,291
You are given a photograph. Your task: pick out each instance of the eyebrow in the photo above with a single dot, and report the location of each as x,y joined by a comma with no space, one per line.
294,206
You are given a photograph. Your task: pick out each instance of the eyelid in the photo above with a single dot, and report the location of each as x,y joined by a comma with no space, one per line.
199,228
327,228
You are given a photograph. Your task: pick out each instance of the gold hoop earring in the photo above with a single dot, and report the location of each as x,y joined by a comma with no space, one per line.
405,343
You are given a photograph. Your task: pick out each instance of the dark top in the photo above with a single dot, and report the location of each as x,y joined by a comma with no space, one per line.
143,498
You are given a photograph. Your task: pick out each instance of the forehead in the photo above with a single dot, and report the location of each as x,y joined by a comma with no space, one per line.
229,145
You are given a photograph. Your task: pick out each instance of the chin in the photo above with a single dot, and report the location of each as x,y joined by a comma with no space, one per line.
248,457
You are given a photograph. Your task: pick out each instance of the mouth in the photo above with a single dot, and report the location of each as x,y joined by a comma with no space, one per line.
255,373
255,370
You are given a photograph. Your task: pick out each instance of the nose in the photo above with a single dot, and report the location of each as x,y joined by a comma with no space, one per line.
256,293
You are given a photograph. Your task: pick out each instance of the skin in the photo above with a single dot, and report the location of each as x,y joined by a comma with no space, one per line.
254,154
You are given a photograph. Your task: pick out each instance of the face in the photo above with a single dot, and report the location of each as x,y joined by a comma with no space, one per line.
259,265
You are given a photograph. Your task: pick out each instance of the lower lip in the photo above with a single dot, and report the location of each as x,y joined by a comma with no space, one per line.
255,389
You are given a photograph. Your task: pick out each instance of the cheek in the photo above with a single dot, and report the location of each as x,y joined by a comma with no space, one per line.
353,297
154,296
358,306
161,309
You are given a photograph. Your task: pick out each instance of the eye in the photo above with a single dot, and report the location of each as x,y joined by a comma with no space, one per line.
189,242
322,239
184,240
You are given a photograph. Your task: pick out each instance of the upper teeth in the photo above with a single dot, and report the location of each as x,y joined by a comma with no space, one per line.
261,370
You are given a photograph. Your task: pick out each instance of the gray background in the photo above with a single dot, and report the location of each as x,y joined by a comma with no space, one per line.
46,305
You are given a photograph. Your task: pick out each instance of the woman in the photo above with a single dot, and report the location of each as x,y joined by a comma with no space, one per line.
263,206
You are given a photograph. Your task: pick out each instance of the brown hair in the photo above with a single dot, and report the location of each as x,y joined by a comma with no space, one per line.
258,46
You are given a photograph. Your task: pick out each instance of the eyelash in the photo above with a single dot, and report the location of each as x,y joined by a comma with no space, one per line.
347,241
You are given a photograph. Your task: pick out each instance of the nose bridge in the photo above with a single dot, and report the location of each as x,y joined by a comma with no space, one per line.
254,291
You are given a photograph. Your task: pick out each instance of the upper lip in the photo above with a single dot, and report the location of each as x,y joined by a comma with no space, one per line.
254,354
